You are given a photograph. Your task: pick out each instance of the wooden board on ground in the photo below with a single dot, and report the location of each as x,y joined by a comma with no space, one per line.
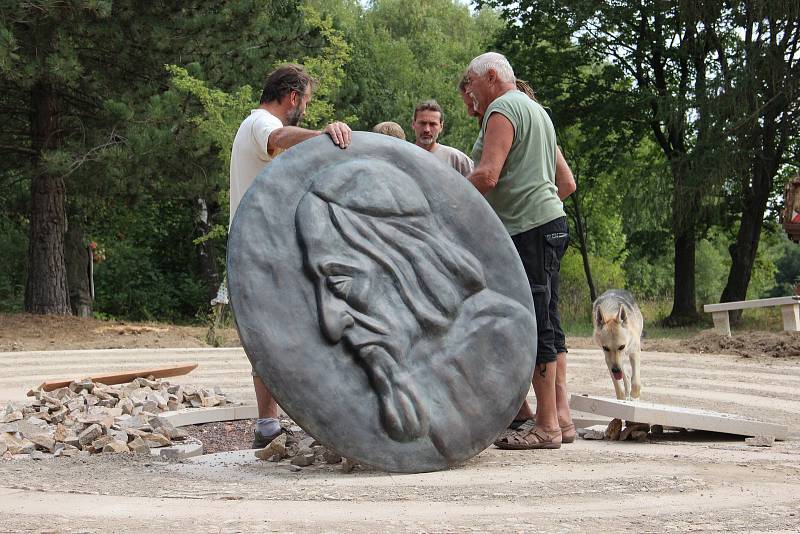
675,416
126,376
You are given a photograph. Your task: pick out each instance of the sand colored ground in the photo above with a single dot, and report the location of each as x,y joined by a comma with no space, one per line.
695,482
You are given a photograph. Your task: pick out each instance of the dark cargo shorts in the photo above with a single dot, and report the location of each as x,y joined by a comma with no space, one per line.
541,250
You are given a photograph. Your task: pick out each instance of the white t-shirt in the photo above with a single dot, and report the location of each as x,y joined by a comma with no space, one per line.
453,157
249,153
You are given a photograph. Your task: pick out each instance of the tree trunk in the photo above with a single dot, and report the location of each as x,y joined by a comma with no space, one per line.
684,308
743,252
79,272
581,231
205,250
46,287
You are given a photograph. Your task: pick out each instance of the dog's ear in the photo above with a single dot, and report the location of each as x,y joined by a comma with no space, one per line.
598,318
622,316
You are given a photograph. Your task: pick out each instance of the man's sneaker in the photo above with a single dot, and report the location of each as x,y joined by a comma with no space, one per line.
260,440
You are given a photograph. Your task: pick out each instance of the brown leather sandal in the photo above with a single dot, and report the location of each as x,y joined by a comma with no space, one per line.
568,433
523,426
534,438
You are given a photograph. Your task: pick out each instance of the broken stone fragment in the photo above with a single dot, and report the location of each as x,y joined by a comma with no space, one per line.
119,435
10,417
63,394
52,402
60,416
42,441
138,422
210,401
154,440
145,383
32,425
276,447
138,396
595,435
630,431
303,458
150,406
348,464
138,446
60,433
116,446
639,435
37,455
760,441
79,386
9,427
18,445
613,430
126,406
101,442
162,425
91,433
331,457
75,404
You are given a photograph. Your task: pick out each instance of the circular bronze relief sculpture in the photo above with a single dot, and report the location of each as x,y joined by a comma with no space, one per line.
382,302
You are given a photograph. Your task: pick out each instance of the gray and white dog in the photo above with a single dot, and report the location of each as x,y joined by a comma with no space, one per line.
618,328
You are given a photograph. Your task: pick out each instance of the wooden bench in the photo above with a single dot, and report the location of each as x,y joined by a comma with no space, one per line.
790,310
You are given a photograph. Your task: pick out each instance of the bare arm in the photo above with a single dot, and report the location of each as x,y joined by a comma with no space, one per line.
497,143
565,182
288,136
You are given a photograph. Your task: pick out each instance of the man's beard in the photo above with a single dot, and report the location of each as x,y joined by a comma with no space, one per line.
293,116
402,413
427,141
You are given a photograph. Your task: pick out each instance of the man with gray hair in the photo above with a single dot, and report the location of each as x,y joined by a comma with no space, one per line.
427,123
516,171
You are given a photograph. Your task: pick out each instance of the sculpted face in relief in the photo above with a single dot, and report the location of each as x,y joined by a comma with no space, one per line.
386,280
384,321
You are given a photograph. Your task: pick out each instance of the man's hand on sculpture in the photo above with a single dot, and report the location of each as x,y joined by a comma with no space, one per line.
339,133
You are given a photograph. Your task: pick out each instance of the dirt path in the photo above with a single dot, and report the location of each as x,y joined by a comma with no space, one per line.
695,482
587,486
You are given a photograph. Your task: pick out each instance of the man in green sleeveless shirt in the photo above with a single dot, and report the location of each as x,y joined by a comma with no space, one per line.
516,160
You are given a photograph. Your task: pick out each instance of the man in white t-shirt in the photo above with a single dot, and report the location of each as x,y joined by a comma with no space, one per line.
427,124
268,130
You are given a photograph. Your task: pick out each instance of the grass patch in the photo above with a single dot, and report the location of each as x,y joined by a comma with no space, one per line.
654,312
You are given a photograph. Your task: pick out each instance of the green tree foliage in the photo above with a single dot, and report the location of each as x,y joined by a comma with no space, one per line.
118,118
407,51
94,134
715,83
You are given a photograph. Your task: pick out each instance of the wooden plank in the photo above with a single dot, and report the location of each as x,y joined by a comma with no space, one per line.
126,376
756,303
662,414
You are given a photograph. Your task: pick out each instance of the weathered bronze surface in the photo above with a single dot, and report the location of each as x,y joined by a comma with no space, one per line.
382,302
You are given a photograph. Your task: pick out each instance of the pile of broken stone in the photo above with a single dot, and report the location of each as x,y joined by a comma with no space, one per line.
302,451
89,417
